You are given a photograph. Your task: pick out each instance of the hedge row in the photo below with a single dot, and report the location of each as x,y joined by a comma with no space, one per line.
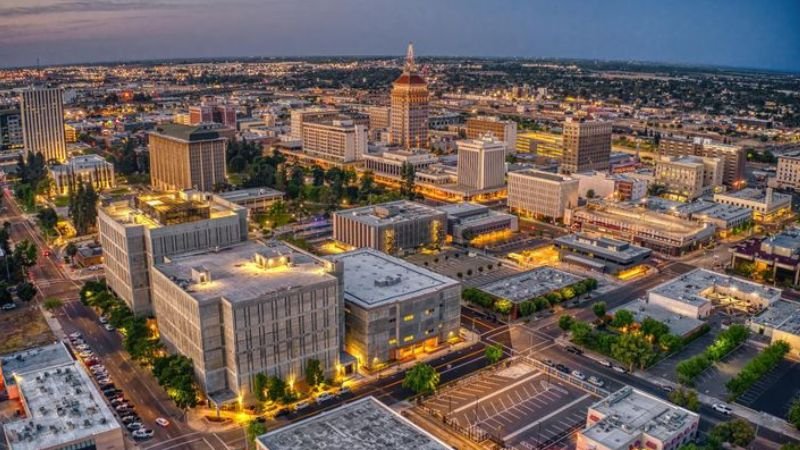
726,341
756,368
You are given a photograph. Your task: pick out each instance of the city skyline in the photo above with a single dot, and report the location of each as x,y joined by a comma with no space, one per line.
743,34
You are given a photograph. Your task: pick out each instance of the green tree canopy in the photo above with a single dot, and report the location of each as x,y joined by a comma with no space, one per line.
422,378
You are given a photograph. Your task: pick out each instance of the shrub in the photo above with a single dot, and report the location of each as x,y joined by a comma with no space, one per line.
756,368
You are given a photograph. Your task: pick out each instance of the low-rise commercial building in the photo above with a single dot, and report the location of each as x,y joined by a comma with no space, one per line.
641,226
247,309
688,177
611,255
467,222
60,406
630,418
394,227
531,284
365,424
256,200
135,234
778,254
694,294
538,194
91,169
610,186
780,322
767,205
394,309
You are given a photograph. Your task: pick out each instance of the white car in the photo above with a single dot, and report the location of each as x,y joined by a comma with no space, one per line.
103,319
162,421
299,406
142,433
722,408
98,368
9,306
578,374
75,335
323,397
83,347
596,381
109,327
620,369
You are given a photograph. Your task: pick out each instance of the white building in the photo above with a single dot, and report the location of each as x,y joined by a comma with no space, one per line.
535,193
481,162
42,111
83,169
338,141
767,205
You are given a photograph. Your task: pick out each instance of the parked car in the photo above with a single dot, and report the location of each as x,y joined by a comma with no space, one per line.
596,381
111,392
104,380
619,369
98,368
117,401
103,319
134,426
282,412
549,363
344,390
323,397
9,306
130,418
666,387
575,350
106,386
91,361
123,406
605,362
578,374
83,347
562,368
162,422
75,335
86,354
299,406
143,433
109,327
722,408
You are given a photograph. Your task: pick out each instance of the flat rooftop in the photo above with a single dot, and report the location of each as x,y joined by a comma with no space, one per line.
783,315
657,221
389,213
678,325
62,405
244,195
245,271
33,359
533,283
539,174
701,286
756,195
629,413
610,248
82,162
128,213
188,133
373,278
365,424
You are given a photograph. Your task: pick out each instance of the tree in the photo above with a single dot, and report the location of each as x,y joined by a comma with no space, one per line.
633,350
52,303
26,291
622,318
565,322
422,378
48,219
408,177
260,386
493,353
25,253
367,186
83,207
503,306
71,249
599,309
581,332
254,430
317,175
314,373
5,296
294,186
793,417
276,389
737,431
590,194
686,398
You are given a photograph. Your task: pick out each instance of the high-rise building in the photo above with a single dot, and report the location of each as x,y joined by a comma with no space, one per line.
213,113
248,309
136,234
409,122
339,140
534,193
186,157
587,146
481,162
733,155
300,117
42,111
502,130
11,130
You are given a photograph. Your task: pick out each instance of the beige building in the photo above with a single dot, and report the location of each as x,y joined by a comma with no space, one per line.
248,309
339,140
299,117
42,111
394,309
186,157
481,162
787,175
534,193
587,146
380,117
502,130
689,177
768,206
137,234
83,169
409,99
732,155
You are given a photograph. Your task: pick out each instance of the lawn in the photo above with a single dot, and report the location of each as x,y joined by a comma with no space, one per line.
23,328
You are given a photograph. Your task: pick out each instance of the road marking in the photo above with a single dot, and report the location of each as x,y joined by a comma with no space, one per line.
533,424
511,386
221,441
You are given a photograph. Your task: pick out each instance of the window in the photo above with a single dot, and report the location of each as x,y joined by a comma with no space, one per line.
410,337
408,318
392,341
428,312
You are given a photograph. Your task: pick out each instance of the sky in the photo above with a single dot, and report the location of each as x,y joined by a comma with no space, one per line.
761,34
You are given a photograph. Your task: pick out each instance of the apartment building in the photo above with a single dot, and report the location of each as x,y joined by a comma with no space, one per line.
136,234
186,157
587,146
394,228
394,309
534,193
91,169
250,308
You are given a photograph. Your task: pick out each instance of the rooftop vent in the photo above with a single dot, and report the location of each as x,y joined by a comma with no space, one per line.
201,274
388,281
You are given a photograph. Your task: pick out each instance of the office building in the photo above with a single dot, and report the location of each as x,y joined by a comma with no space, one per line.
688,177
502,130
394,227
587,146
256,200
543,144
393,309
534,193
638,225
58,403
613,186
11,130
340,141
472,223
380,117
247,309
694,294
409,100
299,117
630,418
787,175
733,156
91,169
213,113
778,254
767,205
42,111
136,234
388,165
365,424
186,157
481,163
600,253
779,322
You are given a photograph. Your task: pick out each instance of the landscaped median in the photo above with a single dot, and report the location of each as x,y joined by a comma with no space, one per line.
756,368
529,306
725,342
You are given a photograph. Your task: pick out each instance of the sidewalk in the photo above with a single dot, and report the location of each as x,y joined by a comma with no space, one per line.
196,420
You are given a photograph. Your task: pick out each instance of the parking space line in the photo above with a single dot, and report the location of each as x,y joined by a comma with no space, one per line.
552,414
493,394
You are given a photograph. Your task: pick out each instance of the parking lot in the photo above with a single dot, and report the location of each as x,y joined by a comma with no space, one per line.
474,270
775,392
518,405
